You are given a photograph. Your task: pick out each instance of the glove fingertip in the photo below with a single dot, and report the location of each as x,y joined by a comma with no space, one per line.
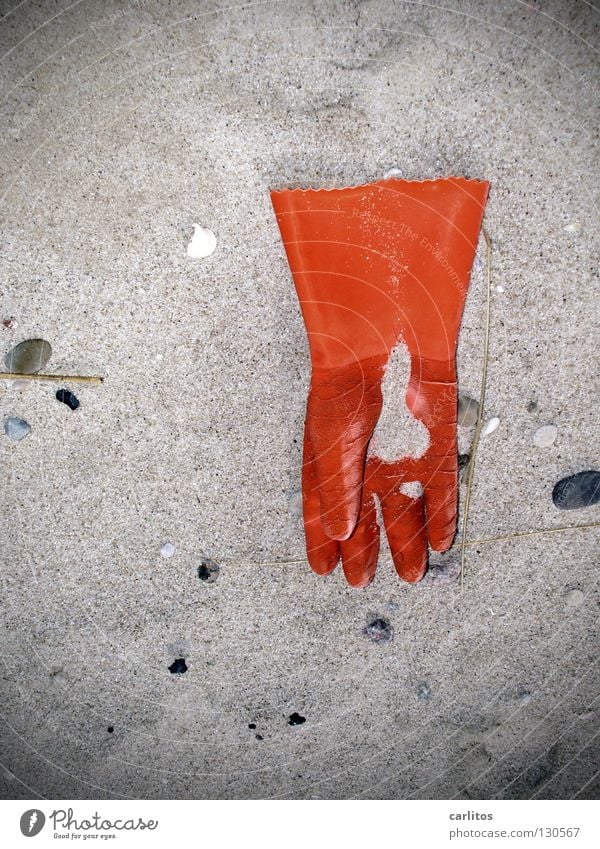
323,558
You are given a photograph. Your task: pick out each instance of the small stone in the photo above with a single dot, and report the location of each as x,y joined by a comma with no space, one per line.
392,173
110,729
296,719
590,714
168,549
532,406
525,697
500,289
203,243
463,461
574,227
577,491
545,436
447,572
490,426
19,385
9,323
28,357
468,410
178,667
58,676
66,397
424,691
573,598
208,570
16,428
379,631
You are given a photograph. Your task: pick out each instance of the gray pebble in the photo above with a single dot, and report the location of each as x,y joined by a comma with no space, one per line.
525,697
16,428
424,691
468,410
379,631
58,676
446,572
577,491
28,356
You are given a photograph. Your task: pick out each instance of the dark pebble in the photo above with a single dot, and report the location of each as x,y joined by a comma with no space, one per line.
463,461
208,571
110,729
379,631
577,491
178,667
67,398
259,737
252,725
296,719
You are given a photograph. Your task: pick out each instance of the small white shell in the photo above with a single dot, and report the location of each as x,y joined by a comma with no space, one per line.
490,426
392,172
203,243
168,549
545,436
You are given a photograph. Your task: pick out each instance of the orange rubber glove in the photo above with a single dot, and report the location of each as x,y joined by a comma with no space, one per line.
373,266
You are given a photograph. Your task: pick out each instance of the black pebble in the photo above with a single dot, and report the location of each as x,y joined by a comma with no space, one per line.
463,460
379,631
178,667
252,725
110,729
576,491
259,737
296,719
67,398
208,570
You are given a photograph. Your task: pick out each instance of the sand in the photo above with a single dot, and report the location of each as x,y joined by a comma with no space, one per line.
123,126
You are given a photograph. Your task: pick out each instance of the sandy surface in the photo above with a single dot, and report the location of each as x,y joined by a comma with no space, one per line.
123,125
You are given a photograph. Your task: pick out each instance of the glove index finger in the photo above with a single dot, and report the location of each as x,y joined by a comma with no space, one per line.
343,407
